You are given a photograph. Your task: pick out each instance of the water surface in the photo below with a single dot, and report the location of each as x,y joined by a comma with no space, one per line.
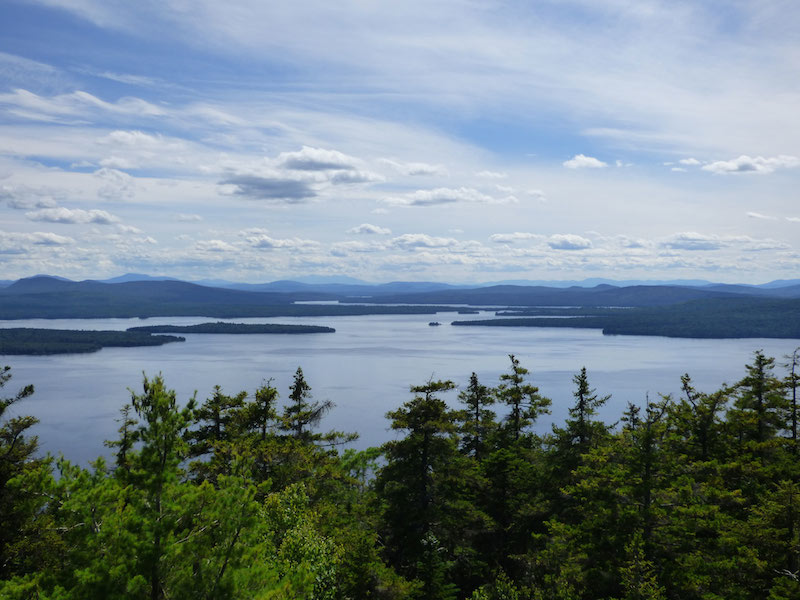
365,368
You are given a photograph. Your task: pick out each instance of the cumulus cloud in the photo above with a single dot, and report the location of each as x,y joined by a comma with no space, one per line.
72,216
368,229
117,185
447,196
346,248
258,238
414,169
492,174
132,138
510,238
581,161
692,162
411,241
748,164
568,241
214,246
129,229
292,191
18,243
316,159
691,240
25,198
355,176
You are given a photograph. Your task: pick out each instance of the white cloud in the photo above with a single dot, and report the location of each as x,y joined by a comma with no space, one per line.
19,243
26,198
748,164
492,174
128,78
117,185
411,241
510,238
259,239
367,228
696,241
538,195
316,159
188,218
691,162
72,216
346,248
447,196
129,229
214,246
354,176
678,169
793,219
691,240
413,169
568,241
75,105
755,215
580,161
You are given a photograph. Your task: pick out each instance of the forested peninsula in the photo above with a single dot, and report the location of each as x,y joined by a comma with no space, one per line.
240,495
707,318
235,328
33,341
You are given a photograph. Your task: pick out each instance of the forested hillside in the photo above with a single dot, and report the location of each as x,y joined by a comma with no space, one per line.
240,495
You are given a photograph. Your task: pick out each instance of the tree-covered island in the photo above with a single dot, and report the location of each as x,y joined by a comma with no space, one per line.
235,328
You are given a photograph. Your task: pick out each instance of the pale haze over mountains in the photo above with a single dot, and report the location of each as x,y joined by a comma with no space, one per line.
459,142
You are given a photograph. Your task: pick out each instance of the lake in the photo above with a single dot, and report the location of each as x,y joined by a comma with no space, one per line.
365,368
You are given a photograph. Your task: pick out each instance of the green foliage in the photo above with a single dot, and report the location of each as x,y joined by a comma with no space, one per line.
523,399
696,498
24,537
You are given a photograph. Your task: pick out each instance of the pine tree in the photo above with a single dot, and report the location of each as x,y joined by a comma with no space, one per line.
20,537
524,400
477,421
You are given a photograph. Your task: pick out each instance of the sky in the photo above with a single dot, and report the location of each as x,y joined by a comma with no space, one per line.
455,141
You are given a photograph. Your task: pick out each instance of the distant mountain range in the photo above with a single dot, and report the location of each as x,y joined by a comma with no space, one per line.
342,285
707,310
140,295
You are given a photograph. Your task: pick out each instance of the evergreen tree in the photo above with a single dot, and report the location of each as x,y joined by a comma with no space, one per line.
23,537
759,403
523,399
791,383
477,421
301,414
425,490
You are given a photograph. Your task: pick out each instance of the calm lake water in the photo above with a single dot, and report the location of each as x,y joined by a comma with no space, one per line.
365,368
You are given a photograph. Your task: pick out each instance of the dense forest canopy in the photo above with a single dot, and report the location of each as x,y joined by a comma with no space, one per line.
243,496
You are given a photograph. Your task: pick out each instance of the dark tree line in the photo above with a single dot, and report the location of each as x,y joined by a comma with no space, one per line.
242,496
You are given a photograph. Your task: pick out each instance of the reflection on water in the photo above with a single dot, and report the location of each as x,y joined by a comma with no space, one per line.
366,368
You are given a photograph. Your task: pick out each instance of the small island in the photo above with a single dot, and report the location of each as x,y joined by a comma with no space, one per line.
237,328
31,341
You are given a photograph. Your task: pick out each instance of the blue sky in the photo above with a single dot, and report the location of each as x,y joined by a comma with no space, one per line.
453,141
